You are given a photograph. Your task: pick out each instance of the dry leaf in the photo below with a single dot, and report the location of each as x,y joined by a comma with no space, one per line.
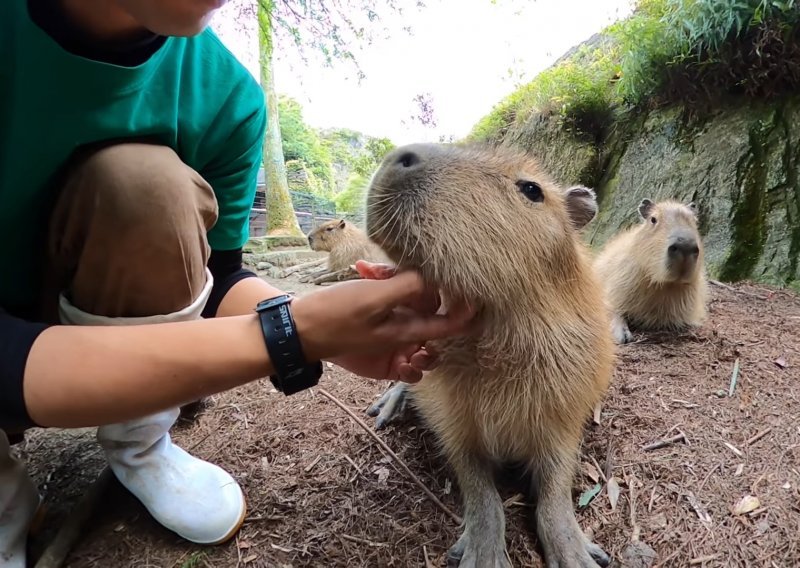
739,470
781,362
244,544
612,488
590,471
746,504
658,521
382,473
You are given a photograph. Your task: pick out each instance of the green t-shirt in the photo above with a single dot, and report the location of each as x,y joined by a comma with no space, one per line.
192,95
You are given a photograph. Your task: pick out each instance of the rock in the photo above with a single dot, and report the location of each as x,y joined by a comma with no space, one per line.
264,266
275,272
638,555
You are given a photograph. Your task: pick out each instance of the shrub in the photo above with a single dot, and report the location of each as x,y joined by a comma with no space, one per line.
688,51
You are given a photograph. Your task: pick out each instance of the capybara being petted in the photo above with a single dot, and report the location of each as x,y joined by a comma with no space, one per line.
654,272
490,227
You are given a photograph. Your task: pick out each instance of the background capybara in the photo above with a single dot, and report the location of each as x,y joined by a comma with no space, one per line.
654,273
345,244
490,227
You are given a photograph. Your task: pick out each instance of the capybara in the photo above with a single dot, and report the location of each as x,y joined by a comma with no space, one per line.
654,273
345,243
490,227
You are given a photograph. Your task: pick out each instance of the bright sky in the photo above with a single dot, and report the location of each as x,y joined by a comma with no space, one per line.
461,52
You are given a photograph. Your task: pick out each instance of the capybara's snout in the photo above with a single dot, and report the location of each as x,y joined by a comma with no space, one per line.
683,246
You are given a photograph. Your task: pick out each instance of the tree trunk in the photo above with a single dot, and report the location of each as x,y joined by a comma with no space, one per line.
281,219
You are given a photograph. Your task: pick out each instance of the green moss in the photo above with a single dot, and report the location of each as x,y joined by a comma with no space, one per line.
793,212
749,217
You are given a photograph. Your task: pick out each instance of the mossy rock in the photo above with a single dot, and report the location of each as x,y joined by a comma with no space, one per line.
740,165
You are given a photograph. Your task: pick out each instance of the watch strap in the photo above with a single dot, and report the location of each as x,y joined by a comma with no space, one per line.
292,372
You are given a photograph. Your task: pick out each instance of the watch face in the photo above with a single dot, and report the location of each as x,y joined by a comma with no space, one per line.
272,302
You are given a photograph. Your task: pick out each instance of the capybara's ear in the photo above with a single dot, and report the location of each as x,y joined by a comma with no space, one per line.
342,224
693,206
581,205
645,207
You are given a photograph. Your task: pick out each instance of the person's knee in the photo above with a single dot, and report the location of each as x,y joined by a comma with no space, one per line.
146,192
131,228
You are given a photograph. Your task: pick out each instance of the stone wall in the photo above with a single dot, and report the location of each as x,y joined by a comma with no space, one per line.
740,165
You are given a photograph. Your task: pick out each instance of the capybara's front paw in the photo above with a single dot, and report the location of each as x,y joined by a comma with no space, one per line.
470,552
391,406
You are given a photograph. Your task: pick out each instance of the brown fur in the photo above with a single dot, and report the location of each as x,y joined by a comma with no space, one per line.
521,389
346,244
645,288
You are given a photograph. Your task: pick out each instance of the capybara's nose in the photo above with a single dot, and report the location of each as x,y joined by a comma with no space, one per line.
310,240
408,159
683,247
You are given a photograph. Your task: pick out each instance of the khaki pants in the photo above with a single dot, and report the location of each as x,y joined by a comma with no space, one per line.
128,234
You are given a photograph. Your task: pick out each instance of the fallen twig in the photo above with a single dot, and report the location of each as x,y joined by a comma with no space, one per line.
393,455
428,563
636,531
665,442
722,285
310,275
738,291
703,559
299,267
348,273
758,436
310,466
734,377
362,540
73,527
734,449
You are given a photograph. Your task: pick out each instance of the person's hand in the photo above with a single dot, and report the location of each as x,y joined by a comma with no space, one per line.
406,363
376,327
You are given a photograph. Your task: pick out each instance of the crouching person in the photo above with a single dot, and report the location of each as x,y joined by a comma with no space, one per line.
124,204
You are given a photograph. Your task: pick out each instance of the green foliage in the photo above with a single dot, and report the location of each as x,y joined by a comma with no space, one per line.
351,200
302,144
691,51
374,151
313,158
578,90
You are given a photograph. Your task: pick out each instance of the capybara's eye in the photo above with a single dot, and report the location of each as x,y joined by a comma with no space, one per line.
531,190
653,220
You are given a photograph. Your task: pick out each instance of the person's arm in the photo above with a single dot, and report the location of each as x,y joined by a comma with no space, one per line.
73,376
236,289
86,376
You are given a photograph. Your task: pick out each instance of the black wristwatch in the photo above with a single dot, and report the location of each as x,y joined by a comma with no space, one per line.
293,372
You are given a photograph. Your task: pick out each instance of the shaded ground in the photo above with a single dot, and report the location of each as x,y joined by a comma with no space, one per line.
321,492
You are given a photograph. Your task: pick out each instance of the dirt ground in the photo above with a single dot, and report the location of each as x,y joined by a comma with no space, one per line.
321,492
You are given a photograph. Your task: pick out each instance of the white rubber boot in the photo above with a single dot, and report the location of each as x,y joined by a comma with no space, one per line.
195,499
19,502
